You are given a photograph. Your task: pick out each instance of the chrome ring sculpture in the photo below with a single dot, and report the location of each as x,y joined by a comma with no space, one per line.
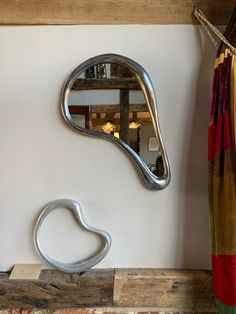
152,181
81,265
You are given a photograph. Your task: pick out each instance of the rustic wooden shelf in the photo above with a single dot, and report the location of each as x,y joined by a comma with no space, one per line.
182,290
55,290
43,12
164,288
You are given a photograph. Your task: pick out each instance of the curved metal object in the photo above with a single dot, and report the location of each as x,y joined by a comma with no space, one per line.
152,181
81,265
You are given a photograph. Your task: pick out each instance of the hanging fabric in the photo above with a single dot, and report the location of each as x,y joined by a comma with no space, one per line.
222,165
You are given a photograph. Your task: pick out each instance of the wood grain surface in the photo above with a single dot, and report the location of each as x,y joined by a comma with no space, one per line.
157,289
55,289
106,83
162,288
39,12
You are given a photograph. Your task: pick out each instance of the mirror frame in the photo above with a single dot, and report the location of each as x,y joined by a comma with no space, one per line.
152,181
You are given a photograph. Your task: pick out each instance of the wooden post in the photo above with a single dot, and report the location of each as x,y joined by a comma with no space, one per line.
124,115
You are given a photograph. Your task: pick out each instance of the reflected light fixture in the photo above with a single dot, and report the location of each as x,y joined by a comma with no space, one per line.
108,127
134,125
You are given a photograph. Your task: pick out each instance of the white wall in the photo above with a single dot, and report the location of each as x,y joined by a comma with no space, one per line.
41,159
147,131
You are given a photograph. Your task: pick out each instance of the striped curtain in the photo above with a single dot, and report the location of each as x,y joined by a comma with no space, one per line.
222,174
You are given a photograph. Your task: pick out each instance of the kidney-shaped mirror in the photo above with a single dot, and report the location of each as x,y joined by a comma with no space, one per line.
112,97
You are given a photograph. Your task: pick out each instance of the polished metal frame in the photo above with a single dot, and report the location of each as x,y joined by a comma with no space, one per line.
151,180
81,265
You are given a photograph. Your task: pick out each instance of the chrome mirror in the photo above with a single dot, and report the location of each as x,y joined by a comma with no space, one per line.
112,97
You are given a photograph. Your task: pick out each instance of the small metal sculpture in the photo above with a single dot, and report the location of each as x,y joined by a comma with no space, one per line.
81,265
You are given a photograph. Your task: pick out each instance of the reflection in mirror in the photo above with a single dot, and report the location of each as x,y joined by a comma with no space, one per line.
112,97
108,98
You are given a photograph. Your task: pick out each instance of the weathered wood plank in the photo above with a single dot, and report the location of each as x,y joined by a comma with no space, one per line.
55,289
31,12
183,290
110,83
74,109
179,289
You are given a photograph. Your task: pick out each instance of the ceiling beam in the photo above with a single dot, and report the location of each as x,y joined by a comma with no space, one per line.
106,83
71,12
75,109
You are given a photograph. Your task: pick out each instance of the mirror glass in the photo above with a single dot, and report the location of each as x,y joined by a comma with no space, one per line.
107,98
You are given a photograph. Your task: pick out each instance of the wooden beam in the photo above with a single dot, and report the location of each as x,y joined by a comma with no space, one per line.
163,288
116,108
75,109
109,116
43,12
105,108
110,83
56,289
124,115
176,290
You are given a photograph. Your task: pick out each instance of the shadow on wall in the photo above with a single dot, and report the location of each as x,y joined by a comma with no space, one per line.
194,201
